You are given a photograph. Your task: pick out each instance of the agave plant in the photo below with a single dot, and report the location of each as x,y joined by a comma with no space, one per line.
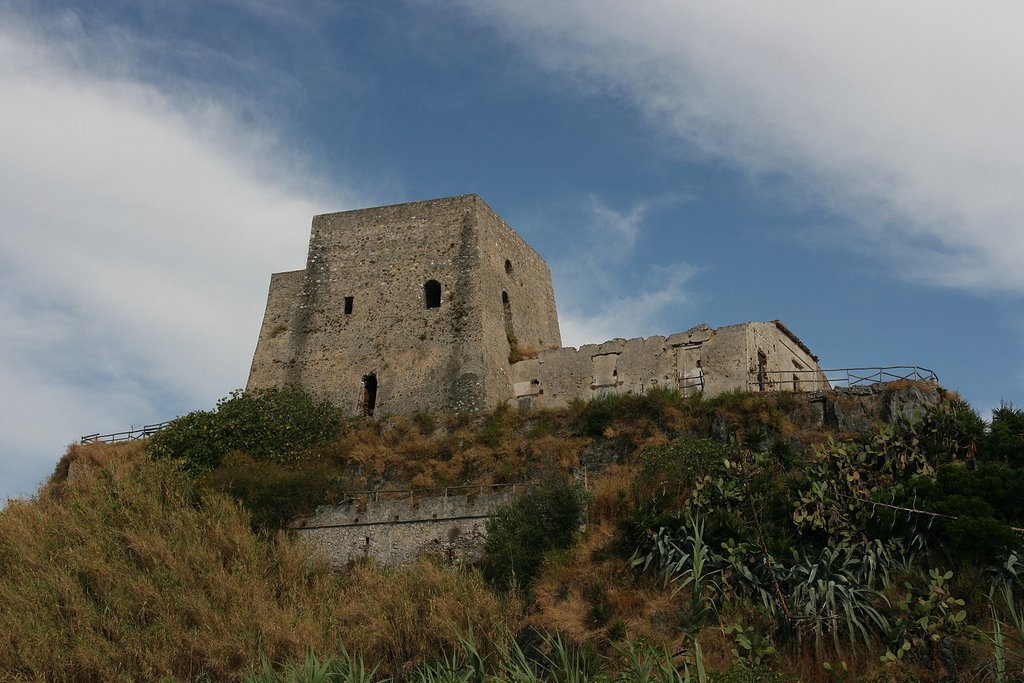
827,597
645,664
566,663
345,668
515,665
1007,636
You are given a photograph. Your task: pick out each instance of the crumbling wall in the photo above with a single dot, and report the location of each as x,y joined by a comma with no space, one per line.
701,359
440,305
396,532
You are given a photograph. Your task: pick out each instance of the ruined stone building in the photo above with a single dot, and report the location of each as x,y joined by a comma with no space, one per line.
441,305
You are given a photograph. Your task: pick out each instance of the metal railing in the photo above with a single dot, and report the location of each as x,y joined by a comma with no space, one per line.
438,491
817,380
130,435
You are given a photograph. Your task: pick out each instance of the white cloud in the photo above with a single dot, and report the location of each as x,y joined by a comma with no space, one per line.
590,284
907,117
139,226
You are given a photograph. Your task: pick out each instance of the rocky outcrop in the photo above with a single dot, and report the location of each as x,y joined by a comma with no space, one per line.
858,409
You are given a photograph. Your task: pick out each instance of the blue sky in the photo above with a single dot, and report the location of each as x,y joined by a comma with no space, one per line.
853,169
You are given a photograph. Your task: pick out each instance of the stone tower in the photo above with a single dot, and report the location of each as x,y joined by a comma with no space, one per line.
408,307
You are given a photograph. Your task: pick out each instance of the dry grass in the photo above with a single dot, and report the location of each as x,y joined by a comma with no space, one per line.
125,575
641,605
502,446
404,616
519,351
122,569
123,572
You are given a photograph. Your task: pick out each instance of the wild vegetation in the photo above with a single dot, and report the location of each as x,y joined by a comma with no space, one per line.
731,539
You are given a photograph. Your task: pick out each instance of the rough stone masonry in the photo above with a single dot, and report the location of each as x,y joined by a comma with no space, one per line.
440,305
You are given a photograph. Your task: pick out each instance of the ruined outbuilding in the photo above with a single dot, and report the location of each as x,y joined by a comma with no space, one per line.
441,305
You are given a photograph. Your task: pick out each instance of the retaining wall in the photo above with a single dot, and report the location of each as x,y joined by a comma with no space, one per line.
396,532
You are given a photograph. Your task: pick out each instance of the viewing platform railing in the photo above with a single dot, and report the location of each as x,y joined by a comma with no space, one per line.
130,435
818,380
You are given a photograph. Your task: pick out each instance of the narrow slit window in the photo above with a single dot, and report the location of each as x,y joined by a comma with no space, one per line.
508,267
507,308
432,294
762,370
348,305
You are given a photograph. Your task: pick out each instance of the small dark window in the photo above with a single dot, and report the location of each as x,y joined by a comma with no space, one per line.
368,401
348,305
508,267
432,294
762,370
507,307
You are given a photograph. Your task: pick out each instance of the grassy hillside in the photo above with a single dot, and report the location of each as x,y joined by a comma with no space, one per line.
732,539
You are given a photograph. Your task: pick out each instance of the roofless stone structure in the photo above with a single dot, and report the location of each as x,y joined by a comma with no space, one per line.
440,305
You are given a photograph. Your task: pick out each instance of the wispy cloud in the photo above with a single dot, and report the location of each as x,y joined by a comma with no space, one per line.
140,223
591,284
906,117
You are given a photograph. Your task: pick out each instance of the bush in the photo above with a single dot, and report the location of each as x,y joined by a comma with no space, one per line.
672,480
985,502
948,432
546,517
657,405
275,493
276,423
1005,442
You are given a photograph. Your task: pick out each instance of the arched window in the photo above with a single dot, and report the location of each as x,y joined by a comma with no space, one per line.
432,294
508,267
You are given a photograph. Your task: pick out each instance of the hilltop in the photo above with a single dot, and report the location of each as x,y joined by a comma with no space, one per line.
752,536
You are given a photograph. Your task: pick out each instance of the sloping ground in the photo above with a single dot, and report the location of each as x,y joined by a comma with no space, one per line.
127,568
125,572
247,447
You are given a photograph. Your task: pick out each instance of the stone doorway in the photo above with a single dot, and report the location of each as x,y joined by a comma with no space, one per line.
369,398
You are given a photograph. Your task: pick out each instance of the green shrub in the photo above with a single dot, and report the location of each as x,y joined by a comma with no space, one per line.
498,424
742,672
593,417
275,493
545,517
674,478
1005,442
276,423
985,502
425,422
600,609
949,432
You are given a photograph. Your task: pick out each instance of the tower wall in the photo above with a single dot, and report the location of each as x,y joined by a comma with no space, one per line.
517,303
361,308
274,351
